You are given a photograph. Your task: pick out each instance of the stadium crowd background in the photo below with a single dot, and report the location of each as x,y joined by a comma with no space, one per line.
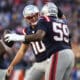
11,18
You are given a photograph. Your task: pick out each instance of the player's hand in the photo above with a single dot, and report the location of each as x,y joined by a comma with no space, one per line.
14,37
10,37
9,70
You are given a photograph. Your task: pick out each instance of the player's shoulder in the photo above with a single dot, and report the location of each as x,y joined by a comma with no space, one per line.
63,21
25,30
49,19
44,19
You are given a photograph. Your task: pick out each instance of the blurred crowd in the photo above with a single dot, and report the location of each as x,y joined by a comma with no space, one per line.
11,17
11,12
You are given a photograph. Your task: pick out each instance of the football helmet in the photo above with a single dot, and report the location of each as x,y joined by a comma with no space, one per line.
30,10
49,9
31,14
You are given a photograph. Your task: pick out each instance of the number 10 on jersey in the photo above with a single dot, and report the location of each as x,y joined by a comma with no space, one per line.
38,47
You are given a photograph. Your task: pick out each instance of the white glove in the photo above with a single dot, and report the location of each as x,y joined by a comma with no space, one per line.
14,37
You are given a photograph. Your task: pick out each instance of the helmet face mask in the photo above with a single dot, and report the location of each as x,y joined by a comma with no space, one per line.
32,20
49,9
30,17
31,14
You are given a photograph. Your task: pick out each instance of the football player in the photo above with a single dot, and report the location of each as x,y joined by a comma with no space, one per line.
49,38
5,47
63,56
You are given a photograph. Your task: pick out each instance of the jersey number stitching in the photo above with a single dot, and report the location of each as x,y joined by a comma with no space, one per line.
62,32
38,47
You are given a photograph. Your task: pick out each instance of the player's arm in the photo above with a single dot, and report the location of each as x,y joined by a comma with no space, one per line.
17,58
4,47
19,54
43,28
28,38
39,35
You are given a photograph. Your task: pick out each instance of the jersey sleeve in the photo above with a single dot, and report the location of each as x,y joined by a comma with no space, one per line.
24,31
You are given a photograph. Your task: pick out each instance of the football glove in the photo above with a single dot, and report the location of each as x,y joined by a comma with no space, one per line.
14,37
9,44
